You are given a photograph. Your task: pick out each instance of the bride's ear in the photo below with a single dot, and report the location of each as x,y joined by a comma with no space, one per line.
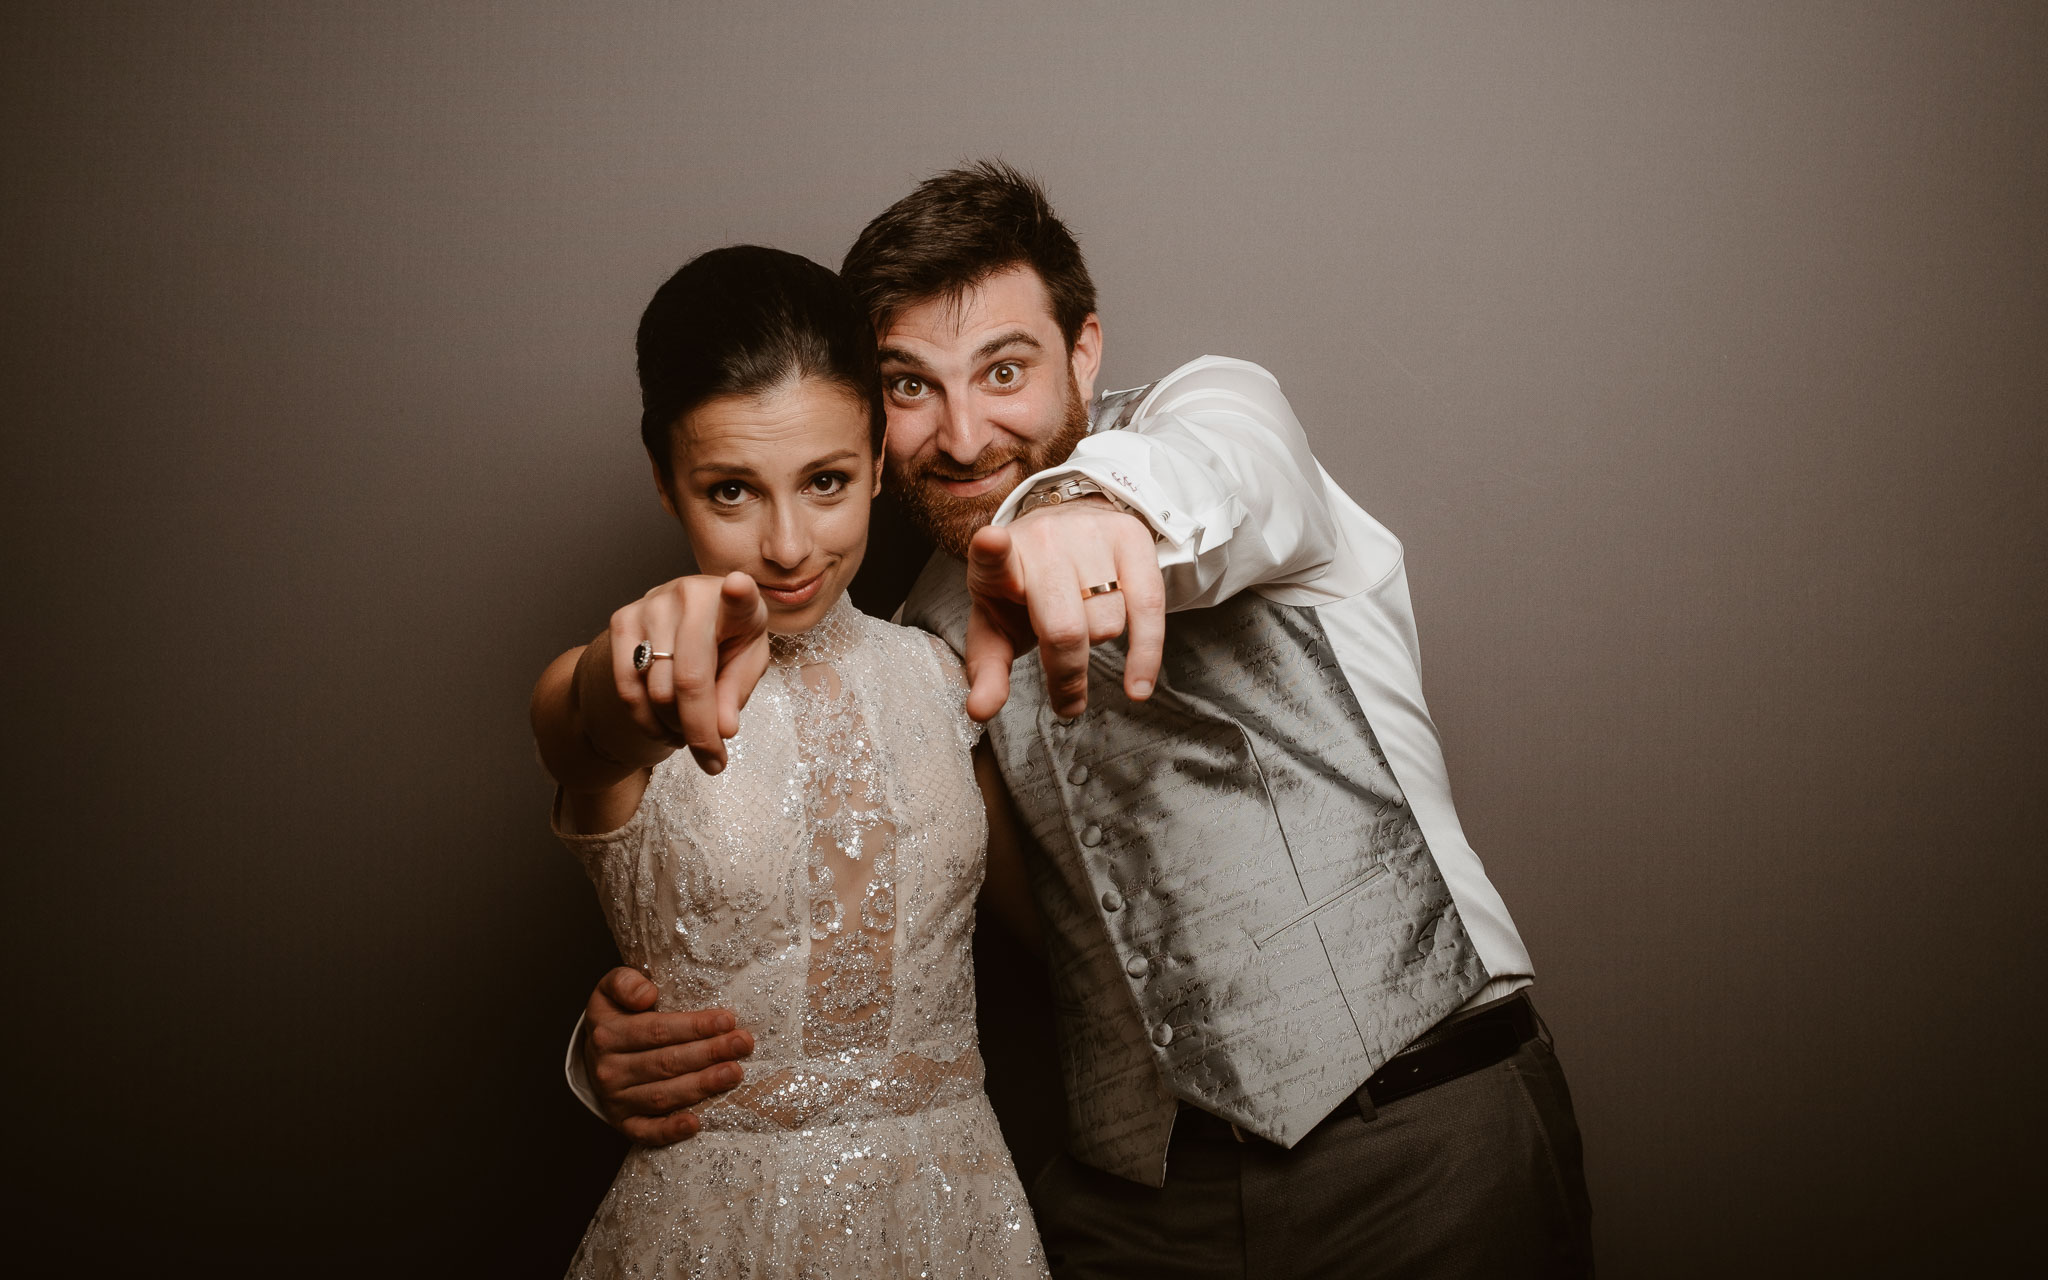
668,501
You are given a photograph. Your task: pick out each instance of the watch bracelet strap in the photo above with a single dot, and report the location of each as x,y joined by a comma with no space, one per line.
1050,493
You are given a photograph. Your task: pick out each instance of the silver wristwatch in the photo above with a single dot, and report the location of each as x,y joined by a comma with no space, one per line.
1051,493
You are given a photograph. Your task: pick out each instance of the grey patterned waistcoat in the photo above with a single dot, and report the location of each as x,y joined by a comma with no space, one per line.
1240,909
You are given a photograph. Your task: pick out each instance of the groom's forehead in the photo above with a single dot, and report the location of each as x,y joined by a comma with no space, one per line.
1014,297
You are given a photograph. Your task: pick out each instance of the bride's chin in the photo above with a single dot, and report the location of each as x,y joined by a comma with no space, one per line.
789,621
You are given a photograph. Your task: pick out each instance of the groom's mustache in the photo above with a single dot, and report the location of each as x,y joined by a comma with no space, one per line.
982,468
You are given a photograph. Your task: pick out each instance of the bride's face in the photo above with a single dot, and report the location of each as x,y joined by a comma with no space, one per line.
778,486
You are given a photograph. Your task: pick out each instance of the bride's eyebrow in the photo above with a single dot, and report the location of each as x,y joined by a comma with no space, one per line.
739,470
742,471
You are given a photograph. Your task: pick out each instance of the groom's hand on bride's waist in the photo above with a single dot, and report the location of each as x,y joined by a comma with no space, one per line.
647,1068
1041,580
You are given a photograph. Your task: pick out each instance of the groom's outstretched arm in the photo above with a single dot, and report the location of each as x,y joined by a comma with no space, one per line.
641,1070
1216,491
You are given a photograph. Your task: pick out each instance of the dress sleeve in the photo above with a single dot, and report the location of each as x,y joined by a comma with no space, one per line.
591,850
953,682
604,857
621,862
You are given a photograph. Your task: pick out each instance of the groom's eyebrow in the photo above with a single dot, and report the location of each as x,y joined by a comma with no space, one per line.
1002,341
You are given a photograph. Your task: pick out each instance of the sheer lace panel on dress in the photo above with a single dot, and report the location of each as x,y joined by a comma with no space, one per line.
851,874
852,870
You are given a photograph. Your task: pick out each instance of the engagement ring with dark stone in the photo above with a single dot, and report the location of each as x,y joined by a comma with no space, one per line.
644,656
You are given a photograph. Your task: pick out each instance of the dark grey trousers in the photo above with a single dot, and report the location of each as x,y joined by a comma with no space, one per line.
1481,1177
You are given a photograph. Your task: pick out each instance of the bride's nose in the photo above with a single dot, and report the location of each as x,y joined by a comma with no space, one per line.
786,542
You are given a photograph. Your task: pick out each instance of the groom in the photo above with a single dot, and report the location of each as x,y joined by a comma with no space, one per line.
1293,1028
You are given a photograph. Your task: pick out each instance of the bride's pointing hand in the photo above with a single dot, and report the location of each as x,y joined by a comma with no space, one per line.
705,648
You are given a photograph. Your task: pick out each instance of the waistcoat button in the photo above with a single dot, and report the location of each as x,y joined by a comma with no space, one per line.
1137,966
1162,1035
1112,900
1078,774
1091,835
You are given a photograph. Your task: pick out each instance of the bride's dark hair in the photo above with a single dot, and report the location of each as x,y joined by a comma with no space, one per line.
743,320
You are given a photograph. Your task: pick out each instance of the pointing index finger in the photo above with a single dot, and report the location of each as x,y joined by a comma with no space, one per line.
741,611
989,654
992,568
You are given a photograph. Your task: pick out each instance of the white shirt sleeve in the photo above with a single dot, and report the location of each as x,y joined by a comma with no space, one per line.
1215,461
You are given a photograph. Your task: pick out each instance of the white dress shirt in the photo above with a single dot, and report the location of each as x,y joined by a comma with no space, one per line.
1215,461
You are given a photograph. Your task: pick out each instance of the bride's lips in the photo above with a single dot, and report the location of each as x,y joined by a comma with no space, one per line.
792,593
979,485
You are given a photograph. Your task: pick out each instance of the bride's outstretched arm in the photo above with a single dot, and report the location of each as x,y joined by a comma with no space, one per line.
1005,892
672,670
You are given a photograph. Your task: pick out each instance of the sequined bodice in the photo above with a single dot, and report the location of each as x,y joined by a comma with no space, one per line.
823,885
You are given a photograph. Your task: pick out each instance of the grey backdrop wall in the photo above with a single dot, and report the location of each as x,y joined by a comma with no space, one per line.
1694,350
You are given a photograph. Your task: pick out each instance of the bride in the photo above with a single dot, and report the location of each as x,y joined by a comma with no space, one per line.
817,873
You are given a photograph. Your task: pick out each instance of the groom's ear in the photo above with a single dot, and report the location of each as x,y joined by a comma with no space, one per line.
1084,358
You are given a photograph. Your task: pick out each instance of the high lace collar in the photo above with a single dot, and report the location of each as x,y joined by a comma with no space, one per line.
831,638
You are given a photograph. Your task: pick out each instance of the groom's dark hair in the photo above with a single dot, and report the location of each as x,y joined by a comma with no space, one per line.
957,229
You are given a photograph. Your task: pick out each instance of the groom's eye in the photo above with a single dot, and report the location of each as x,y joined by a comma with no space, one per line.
909,386
1005,374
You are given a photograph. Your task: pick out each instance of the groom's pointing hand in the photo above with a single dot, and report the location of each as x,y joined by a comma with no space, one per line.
1029,585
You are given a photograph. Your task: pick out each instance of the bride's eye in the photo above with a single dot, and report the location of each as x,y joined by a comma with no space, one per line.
727,494
830,484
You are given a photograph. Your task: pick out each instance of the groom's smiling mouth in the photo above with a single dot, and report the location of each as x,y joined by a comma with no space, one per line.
1009,472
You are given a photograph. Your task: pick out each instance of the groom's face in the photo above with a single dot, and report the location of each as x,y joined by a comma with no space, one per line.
982,391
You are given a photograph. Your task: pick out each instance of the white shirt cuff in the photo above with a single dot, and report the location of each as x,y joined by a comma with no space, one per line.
1127,477
577,1073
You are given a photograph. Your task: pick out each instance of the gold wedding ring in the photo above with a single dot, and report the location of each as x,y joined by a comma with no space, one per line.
1102,590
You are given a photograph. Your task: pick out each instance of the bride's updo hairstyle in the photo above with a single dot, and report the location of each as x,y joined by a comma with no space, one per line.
742,321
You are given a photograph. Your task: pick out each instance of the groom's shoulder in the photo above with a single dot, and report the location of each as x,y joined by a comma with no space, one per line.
938,601
1221,378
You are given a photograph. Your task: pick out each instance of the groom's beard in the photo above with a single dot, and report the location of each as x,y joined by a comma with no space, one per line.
951,521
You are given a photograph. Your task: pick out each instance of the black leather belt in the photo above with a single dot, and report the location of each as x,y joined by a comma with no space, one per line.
1462,1046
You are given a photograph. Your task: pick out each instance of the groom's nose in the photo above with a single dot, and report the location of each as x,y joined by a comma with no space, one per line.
963,434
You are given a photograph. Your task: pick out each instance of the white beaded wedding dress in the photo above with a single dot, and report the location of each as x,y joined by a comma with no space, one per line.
823,888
